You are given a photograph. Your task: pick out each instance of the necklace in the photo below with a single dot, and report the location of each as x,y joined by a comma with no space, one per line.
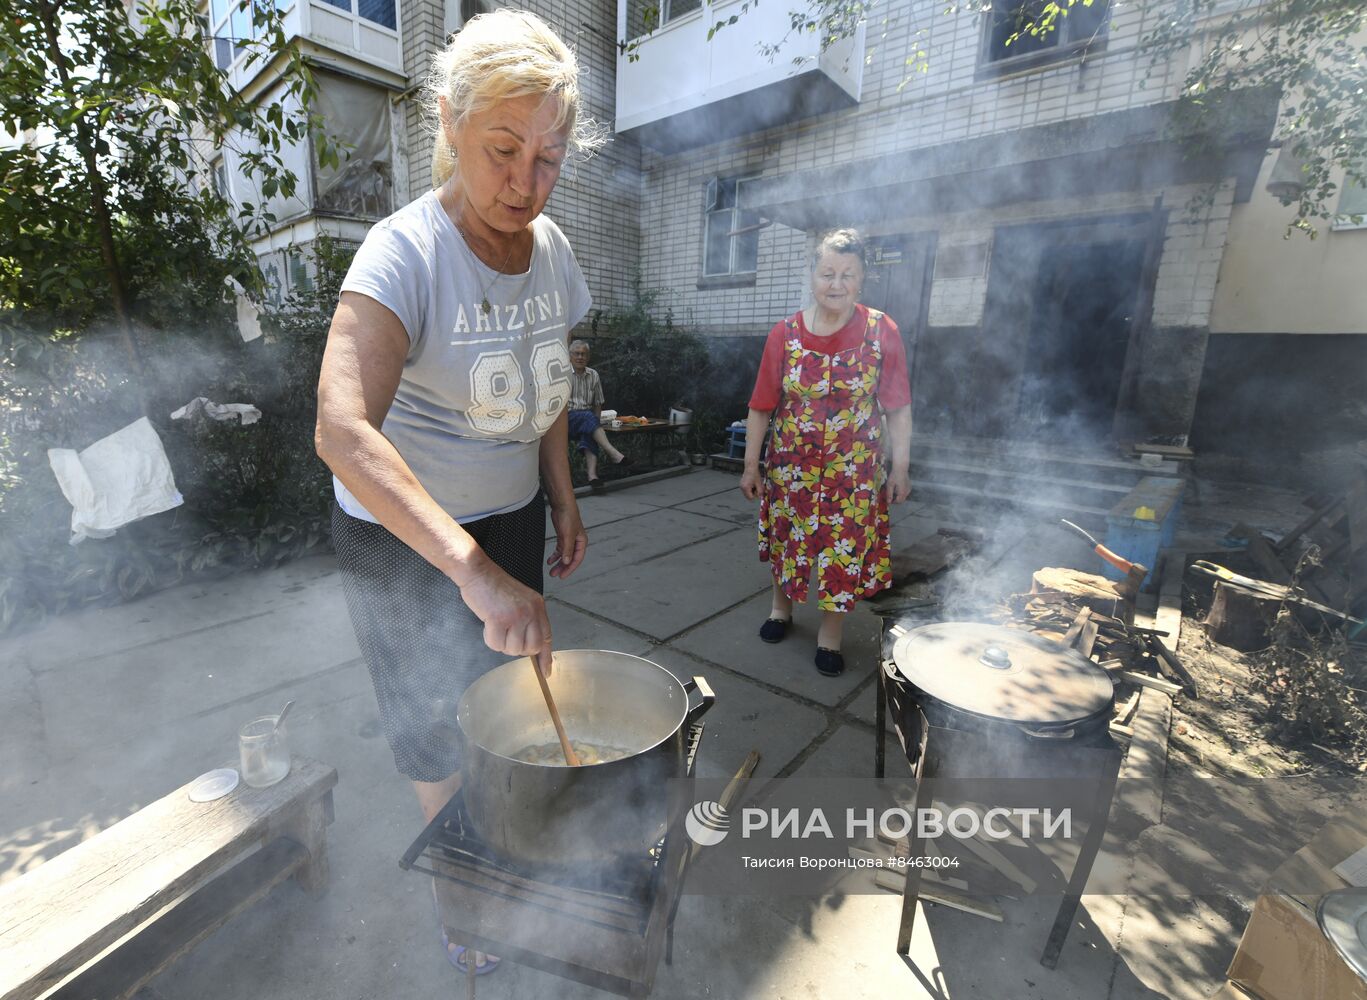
484,306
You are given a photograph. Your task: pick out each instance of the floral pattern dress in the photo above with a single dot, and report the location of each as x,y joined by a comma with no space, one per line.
823,504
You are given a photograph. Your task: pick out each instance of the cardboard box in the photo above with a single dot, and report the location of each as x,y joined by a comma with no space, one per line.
1229,992
1283,954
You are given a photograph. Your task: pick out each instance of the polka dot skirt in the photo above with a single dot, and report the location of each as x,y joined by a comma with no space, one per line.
422,645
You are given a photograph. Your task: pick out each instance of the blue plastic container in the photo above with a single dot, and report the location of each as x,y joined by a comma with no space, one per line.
735,446
1143,523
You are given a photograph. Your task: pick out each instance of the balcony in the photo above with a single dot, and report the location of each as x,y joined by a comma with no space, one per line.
360,35
686,91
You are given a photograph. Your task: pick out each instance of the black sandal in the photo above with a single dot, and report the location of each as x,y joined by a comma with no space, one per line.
829,662
595,483
773,629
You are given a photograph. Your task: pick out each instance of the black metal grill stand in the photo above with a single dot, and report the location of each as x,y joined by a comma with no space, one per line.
949,753
607,930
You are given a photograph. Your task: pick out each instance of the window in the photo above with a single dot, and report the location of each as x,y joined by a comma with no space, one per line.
730,230
361,185
459,12
671,10
1009,45
381,12
1352,205
231,27
219,169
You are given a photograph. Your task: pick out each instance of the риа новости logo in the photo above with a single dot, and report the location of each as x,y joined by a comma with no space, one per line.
707,823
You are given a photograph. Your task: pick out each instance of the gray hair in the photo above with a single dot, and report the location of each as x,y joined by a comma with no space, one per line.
500,56
580,343
849,241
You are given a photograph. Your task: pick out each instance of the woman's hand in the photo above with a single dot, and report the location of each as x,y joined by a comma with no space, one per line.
898,485
513,614
571,541
750,483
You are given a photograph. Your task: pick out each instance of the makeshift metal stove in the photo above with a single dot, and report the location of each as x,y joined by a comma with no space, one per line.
984,702
606,928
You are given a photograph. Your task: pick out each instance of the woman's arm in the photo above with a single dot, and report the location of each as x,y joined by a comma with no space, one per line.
756,427
362,364
898,423
571,541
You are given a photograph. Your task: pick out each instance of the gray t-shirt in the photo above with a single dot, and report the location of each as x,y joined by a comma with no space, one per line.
478,390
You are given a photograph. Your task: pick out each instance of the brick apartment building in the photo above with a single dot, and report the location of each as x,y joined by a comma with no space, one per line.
1059,254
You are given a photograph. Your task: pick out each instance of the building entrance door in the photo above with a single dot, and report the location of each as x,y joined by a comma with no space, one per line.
898,283
1063,300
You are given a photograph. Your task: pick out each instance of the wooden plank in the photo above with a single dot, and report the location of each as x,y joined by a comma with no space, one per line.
1074,632
64,913
1157,684
935,892
1320,512
1172,666
1140,788
1260,550
121,973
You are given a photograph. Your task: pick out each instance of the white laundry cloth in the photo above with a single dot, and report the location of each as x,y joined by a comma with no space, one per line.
118,479
248,316
217,411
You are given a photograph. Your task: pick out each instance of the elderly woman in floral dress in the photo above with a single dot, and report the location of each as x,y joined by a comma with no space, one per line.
832,384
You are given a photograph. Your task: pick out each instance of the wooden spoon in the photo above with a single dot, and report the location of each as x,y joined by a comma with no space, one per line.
571,758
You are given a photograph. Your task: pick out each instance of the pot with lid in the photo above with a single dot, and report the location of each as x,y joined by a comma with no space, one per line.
986,678
526,803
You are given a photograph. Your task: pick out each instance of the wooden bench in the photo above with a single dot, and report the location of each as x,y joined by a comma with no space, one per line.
57,918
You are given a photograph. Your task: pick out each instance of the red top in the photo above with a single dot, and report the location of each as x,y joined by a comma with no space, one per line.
894,387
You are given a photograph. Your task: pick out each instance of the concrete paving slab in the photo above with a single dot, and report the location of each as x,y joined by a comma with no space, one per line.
674,591
732,640
238,599
681,489
847,752
596,510
573,629
615,546
90,701
727,506
746,717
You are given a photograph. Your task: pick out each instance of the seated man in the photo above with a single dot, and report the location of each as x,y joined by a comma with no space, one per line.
586,404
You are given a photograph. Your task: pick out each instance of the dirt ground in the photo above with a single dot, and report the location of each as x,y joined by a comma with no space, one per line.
1235,728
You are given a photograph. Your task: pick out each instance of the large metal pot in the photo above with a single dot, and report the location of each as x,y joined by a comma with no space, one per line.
553,814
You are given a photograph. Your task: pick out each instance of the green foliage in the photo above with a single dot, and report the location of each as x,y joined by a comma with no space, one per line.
1311,52
113,302
649,365
254,496
107,204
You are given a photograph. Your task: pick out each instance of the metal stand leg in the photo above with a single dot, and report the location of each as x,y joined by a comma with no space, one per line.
880,721
911,891
1091,846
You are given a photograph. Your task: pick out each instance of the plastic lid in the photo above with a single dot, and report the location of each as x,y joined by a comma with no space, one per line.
213,785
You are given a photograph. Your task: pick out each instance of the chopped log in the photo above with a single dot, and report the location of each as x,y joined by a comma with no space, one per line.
1239,619
1106,597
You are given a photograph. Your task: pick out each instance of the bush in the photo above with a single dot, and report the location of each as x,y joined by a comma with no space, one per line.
650,365
254,496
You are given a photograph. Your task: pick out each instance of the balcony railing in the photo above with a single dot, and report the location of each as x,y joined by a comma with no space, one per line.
676,88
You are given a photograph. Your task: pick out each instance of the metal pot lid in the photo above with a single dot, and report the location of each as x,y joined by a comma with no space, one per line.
1343,918
1002,673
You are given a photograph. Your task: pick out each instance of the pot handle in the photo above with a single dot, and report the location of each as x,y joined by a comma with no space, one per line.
705,692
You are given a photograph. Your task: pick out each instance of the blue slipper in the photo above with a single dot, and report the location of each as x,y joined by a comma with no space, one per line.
456,956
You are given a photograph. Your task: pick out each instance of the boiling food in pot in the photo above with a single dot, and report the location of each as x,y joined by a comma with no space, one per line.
589,753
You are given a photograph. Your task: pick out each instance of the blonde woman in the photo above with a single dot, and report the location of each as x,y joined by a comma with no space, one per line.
441,403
